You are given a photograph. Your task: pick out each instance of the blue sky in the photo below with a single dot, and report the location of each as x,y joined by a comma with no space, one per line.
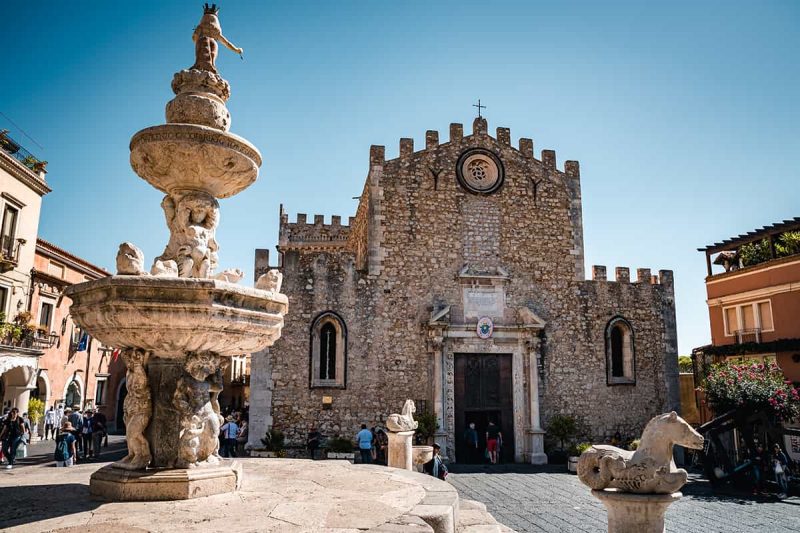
683,114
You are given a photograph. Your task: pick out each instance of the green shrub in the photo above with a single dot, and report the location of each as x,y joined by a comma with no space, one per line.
273,440
754,252
685,364
340,445
562,427
427,427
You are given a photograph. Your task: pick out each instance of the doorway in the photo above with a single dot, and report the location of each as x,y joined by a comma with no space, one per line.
483,392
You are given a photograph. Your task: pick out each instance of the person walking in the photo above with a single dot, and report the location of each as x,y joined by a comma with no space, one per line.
86,433
494,439
435,467
313,442
99,431
50,423
759,467
76,419
229,431
471,442
243,434
780,465
66,453
364,439
381,446
11,435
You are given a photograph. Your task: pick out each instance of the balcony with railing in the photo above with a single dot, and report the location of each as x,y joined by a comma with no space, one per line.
15,150
746,336
9,252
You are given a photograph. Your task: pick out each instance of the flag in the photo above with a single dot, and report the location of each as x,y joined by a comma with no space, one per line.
84,342
115,354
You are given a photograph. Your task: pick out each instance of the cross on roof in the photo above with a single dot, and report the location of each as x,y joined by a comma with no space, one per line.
479,106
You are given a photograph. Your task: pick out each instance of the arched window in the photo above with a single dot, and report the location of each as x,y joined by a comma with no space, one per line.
73,396
328,351
620,355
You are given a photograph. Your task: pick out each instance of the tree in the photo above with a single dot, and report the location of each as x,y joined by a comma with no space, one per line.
35,411
562,427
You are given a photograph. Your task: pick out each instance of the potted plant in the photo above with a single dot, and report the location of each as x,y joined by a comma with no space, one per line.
35,413
563,428
341,448
574,455
273,445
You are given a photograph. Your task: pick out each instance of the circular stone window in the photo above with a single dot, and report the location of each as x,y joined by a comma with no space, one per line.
480,171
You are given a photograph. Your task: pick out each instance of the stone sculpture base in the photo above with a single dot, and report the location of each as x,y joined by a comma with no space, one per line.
635,513
116,484
400,450
277,496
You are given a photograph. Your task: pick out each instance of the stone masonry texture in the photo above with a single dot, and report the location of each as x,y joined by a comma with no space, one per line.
398,260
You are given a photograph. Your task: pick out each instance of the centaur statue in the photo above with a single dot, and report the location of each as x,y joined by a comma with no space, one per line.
405,421
648,470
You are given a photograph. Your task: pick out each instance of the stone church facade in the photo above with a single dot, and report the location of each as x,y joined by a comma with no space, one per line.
460,284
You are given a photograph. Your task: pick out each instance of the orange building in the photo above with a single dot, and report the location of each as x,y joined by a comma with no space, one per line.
75,369
754,298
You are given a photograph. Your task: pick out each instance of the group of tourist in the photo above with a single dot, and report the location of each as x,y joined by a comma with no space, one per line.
494,443
233,434
766,465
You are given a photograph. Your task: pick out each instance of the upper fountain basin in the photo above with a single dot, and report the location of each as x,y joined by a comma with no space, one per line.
171,316
176,157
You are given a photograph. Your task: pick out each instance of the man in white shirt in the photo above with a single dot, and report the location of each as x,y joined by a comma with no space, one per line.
50,423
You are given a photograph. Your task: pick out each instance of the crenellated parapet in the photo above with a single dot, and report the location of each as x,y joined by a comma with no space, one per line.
479,128
314,234
622,275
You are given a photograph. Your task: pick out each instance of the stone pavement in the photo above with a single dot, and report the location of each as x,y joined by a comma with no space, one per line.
548,499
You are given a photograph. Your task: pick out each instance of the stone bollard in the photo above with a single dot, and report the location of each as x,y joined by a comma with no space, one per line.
400,450
636,487
635,513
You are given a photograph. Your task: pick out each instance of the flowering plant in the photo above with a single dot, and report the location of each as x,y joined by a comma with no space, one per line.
751,386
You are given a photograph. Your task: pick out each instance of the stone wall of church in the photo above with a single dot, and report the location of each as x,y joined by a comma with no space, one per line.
419,228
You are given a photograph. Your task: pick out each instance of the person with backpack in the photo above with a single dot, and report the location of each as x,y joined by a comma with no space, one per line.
66,453
76,420
11,434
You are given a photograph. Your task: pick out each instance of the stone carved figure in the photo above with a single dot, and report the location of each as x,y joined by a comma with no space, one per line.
648,470
231,275
130,260
271,281
404,421
192,220
164,268
205,38
137,410
196,399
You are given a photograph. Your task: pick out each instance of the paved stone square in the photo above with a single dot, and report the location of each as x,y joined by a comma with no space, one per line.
548,499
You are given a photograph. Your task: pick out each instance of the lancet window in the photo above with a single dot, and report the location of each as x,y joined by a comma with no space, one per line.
328,351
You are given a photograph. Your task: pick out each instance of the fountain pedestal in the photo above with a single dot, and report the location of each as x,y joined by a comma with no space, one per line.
400,449
635,513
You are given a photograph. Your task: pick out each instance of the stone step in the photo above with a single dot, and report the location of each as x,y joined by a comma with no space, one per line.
472,505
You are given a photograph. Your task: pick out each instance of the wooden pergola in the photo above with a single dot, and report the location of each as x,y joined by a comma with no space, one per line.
767,232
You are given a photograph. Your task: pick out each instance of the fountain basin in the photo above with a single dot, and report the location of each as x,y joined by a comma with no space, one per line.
171,316
179,157
421,454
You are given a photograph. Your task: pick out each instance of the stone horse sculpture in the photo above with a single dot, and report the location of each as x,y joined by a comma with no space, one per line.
404,421
648,470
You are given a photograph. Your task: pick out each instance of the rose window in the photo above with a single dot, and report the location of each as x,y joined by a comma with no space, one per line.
478,169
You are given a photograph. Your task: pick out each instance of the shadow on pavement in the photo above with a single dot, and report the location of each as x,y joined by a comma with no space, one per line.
29,503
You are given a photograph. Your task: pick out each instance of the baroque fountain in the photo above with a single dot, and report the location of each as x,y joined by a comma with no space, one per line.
178,323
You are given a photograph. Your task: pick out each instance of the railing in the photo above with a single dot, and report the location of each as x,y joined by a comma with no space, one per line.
744,336
15,150
9,252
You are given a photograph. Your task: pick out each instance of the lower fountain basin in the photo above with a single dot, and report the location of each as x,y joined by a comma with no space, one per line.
171,316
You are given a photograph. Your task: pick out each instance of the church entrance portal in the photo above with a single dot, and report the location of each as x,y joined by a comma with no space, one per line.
483,392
